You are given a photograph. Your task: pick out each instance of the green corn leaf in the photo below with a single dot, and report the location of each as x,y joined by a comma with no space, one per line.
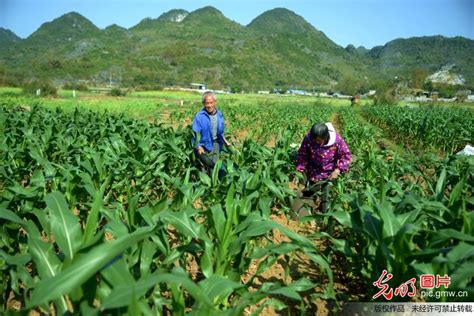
88,183
284,248
257,228
264,206
343,217
230,212
458,188
36,154
37,179
120,295
93,216
132,209
117,274
44,257
471,200
298,239
183,222
64,224
273,302
117,228
10,216
218,219
440,185
301,285
172,256
18,260
434,206
46,261
82,268
99,165
215,173
266,264
462,276
446,234
98,237
323,263
217,288
147,252
339,244
391,226
408,218
273,188
286,291
229,202
424,268
207,259
146,214
133,307
205,179
461,252
43,219
373,226
24,192
246,203
87,310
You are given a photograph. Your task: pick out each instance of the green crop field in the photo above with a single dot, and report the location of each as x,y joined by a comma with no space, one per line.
103,208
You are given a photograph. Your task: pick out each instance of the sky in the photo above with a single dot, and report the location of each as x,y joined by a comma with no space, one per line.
365,23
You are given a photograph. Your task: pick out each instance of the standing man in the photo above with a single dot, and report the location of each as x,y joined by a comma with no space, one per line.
208,128
323,155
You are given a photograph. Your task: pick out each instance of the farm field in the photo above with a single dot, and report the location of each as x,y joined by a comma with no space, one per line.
103,209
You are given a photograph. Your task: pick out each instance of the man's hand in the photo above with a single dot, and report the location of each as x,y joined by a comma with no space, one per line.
226,142
200,150
334,174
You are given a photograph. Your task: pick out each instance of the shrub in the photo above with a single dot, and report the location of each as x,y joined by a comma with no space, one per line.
117,92
45,88
75,86
385,98
235,89
447,91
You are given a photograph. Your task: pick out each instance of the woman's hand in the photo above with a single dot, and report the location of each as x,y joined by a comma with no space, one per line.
300,169
200,150
334,174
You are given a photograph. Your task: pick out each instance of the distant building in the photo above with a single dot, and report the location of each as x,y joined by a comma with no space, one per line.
220,91
197,86
341,96
371,93
296,92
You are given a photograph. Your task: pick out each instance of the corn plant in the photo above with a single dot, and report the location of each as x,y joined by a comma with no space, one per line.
102,209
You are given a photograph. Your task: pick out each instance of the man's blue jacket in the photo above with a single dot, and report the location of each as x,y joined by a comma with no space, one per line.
202,125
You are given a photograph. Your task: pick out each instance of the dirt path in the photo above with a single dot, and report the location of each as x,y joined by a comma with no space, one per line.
336,121
290,268
164,116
